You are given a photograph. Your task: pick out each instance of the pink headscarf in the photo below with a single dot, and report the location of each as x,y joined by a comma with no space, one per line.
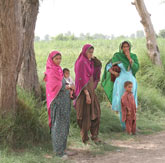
84,69
53,79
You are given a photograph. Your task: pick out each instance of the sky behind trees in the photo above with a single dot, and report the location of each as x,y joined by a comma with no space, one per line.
117,17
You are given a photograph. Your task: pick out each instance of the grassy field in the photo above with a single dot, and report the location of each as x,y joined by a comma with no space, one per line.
26,137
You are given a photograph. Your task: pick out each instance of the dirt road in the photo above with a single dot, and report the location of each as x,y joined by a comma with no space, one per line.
143,149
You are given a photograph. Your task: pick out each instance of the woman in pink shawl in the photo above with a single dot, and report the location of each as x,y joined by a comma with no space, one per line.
87,76
58,103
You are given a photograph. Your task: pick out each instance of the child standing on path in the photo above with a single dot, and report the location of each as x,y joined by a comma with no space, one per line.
129,108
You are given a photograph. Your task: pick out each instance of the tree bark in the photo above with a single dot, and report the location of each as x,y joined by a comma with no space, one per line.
153,50
28,77
11,37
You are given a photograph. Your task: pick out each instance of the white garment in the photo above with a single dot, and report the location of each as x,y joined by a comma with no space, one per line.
69,81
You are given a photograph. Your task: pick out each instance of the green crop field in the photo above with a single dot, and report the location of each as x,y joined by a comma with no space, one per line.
29,127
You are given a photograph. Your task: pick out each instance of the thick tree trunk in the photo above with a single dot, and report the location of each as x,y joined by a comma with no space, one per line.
153,50
11,38
28,78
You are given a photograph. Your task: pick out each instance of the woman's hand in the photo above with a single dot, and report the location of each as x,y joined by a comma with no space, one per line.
88,99
116,74
127,53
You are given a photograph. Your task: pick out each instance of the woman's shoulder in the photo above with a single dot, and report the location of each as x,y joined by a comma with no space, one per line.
116,54
81,61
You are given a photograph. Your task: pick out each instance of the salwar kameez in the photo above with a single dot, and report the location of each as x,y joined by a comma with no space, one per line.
88,115
115,89
87,76
60,120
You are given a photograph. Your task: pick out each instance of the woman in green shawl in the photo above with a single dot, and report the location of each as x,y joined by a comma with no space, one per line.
128,64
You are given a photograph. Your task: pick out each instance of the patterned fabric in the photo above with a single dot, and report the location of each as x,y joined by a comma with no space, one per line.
60,120
53,78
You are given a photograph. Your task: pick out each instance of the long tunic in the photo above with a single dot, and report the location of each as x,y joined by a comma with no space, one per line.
128,106
129,112
60,119
85,110
88,115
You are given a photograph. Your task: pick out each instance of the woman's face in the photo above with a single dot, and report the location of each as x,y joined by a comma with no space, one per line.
57,59
125,47
89,53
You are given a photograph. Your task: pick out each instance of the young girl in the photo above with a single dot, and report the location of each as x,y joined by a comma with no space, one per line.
129,108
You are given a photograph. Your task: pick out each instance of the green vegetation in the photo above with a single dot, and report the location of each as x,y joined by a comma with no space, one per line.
25,137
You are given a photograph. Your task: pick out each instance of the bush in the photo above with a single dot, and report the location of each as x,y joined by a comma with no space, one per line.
28,124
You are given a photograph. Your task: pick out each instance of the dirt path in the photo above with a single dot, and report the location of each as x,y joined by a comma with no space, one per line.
143,149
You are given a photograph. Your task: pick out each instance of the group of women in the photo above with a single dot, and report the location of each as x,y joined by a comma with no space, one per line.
86,103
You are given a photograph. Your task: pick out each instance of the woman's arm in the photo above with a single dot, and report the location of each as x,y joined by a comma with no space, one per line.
113,72
133,62
88,98
127,53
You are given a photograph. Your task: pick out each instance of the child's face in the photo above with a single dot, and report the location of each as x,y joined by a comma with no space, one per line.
129,88
66,74
57,60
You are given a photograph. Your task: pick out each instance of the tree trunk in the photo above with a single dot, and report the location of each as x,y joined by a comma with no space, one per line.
153,50
28,78
11,37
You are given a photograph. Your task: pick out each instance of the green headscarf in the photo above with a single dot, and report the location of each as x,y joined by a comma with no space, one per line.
118,57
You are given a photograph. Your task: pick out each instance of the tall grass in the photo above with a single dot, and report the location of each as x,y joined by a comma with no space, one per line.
29,126
151,78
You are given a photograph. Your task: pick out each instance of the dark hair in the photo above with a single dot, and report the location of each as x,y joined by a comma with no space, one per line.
66,69
127,83
58,54
91,47
125,42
